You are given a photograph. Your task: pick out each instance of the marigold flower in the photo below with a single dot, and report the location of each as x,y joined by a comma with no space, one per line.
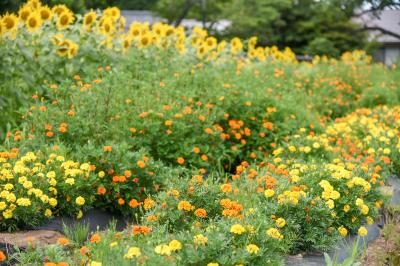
80,201
141,164
133,203
107,148
252,249
201,213
180,160
121,201
175,245
163,250
274,233
269,193
95,238
63,241
237,229
185,206
343,231
148,204
3,257
362,231
101,190
133,252
226,188
280,222
84,250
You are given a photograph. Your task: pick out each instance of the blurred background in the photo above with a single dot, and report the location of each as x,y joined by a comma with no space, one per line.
309,27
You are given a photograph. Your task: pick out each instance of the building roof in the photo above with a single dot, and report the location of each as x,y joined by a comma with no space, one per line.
387,19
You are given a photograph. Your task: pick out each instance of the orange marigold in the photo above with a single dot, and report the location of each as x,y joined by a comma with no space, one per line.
95,238
185,205
63,241
202,213
181,160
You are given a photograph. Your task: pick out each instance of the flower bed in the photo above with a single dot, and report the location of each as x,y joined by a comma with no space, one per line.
222,153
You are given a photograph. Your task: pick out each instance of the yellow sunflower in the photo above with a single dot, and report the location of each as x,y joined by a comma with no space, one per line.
89,19
145,40
126,43
65,19
34,22
73,50
45,13
121,24
107,26
24,12
1,29
112,12
67,48
59,9
10,22
135,29
34,4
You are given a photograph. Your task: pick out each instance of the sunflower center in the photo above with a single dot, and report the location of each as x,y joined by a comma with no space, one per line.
9,23
64,20
44,14
32,22
88,20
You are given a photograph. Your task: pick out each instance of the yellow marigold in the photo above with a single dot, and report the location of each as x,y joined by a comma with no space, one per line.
80,201
343,231
175,245
200,239
362,231
280,222
133,252
148,204
185,206
163,250
274,233
269,193
237,229
252,249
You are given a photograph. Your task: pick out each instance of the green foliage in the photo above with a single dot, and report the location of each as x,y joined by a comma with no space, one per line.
77,233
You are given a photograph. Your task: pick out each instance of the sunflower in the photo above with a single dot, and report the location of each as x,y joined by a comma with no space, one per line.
135,29
107,26
121,24
34,22
63,48
201,51
112,12
145,40
210,43
10,22
236,45
126,43
159,29
59,9
65,19
34,4
73,49
2,30
45,13
89,19
67,48
57,39
24,12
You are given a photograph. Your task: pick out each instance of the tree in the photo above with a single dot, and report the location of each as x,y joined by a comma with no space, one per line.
204,10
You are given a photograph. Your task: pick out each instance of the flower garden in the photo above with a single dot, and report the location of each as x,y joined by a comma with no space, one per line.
219,153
